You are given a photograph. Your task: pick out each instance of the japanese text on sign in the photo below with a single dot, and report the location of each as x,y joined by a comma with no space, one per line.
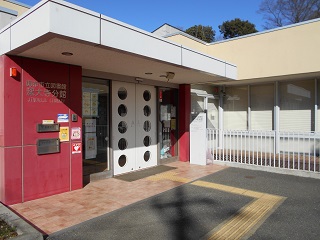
46,92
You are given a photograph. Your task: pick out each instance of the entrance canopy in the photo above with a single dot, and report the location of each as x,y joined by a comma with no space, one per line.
62,32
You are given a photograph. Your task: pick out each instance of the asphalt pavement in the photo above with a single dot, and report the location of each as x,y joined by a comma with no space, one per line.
202,208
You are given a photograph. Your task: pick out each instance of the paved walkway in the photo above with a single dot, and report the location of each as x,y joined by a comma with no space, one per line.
188,202
61,211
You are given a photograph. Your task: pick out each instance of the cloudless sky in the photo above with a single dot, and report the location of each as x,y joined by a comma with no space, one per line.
151,14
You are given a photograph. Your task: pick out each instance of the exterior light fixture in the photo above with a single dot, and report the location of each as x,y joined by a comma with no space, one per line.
67,54
139,80
170,75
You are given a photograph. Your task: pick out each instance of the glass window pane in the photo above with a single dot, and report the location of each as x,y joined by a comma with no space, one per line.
296,106
122,93
235,105
213,113
262,105
197,105
95,129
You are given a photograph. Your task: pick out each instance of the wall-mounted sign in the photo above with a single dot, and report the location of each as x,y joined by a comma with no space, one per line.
64,134
47,146
76,148
47,121
198,139
48,127
62,117
75,133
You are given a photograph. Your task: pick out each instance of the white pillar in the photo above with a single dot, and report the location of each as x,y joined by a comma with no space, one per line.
277,117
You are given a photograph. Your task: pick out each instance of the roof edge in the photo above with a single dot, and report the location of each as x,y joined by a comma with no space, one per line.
268,31
18,3
9,11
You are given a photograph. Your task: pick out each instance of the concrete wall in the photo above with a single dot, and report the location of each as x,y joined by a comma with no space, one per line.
291,50
285,51
190,43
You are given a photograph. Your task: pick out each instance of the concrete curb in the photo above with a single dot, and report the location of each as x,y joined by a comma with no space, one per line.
24,229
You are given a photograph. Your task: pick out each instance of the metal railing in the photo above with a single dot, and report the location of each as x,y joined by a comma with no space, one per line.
289,150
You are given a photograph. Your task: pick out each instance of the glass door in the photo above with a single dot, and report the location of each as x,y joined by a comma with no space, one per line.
95,125
168,123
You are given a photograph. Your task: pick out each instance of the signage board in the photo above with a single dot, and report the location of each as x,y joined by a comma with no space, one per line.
62,117
198,140
75,133
48,145
64,134
48,127
76,148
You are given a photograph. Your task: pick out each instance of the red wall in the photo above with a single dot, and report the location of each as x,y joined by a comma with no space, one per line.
40,92
10,133
184,122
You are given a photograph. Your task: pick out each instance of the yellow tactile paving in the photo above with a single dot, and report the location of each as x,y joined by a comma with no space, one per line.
171,175
249,218
253,194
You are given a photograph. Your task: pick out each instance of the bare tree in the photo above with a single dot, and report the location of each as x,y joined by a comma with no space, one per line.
278,13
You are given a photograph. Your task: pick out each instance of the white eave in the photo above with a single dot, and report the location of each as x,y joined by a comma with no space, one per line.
100,43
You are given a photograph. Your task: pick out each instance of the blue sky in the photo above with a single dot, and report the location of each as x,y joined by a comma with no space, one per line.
151,14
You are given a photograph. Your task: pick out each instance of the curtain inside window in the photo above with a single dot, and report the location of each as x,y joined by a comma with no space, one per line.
262,107
235,108
296,106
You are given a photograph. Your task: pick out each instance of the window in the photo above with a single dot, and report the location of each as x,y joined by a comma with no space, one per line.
262,106
235,108
296,101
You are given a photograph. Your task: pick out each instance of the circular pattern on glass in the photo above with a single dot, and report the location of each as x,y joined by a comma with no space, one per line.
122,110
147,156
122,127
146,95
122,144
147,141
122,160
147,110
122,93
147,126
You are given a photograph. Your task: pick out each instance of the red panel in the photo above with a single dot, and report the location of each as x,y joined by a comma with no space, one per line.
12,176
2,174
184,107
46,93
1,109
46,175
184,147
41,91
12,103
76,172
184,122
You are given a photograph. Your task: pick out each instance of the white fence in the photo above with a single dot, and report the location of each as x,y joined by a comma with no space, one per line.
290,150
